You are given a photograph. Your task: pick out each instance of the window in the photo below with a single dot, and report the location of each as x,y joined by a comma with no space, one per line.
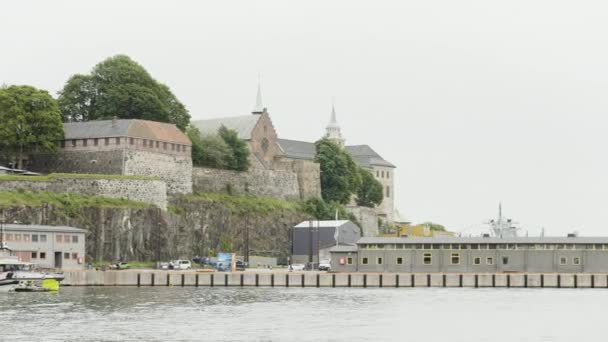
505,260
42,255
474,246
164,146
563,261
157,144
26,237
455,259
74,256
18,237
131,141
179,147
382,174
364,261
377,174
34,255
427,259
576,261
399,261
107,141
62,143
34,237
73,142
59,238
145,143
379,261
74,238
349,261
85,142
66,238
66,256
388,191
42,238
172,147
387,175
477,261
489,261
9,237
117,141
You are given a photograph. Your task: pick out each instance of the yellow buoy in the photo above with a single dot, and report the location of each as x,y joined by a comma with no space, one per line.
50,284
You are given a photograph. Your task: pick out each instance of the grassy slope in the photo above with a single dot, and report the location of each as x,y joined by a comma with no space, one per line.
70,175
67,200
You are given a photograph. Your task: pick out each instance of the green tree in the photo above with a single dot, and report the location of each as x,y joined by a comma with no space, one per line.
209,151
369,193
31,121
240,152
340,176
120,87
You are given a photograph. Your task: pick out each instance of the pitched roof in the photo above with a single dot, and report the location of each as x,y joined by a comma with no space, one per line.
365,156
243,125
125,128
322,224
42,228
362,154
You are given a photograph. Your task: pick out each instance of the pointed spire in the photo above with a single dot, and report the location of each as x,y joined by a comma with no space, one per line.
333,129
259,107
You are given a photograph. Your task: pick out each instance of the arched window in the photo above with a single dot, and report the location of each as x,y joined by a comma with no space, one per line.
388,191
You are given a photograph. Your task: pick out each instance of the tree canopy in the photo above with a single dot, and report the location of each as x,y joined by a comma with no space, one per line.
120,87
31,121
340,176
222,151
369,193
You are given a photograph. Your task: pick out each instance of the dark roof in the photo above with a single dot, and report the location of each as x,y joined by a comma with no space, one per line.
363,155
343,248
476,240
125,128
43,228
243,125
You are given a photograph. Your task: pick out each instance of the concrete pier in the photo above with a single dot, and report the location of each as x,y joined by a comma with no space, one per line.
251,278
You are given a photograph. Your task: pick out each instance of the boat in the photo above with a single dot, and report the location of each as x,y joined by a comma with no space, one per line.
18,276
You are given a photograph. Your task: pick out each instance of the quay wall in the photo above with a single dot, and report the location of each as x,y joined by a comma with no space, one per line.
318,279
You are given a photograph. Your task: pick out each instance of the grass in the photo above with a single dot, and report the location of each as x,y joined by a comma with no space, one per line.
242,203
52,176
64,200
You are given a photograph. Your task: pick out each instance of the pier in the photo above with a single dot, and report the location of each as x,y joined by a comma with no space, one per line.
322,279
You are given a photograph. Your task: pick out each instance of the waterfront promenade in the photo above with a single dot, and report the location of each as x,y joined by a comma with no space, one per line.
266,278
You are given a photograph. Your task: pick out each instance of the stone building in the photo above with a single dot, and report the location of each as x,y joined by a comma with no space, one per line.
123,147
363,155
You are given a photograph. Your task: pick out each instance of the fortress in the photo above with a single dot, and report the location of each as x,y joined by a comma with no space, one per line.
159,153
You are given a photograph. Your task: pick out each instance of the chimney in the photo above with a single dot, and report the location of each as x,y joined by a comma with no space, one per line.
114,119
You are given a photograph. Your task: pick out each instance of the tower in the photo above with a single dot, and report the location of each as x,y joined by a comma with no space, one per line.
333,129
259,107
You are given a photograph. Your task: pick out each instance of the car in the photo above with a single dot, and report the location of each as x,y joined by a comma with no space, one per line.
180,264
241,265
297,267
120,266
324,265
163,265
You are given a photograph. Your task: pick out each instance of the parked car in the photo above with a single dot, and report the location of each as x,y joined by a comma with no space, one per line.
241,265
324,265
163,265
180,265
120,266
297,267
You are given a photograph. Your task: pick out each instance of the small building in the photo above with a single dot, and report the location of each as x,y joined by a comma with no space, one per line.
312,240
473,254
58,247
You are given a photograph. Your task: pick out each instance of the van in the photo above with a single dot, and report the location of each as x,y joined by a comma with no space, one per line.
180,264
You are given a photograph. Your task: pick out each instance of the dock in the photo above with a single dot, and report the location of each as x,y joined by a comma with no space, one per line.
323,279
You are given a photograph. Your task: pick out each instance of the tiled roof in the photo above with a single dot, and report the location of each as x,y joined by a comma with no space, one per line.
125,128
363,155
243,125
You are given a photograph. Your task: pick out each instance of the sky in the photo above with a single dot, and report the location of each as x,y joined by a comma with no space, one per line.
475,102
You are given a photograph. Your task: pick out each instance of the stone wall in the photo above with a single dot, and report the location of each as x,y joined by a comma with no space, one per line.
368,219
175,170
143,190
308,174
257,182
109,162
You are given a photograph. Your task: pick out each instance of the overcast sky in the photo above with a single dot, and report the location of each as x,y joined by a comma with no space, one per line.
476,102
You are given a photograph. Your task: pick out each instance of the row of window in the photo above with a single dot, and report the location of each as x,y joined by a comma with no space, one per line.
486,246
381,174
13,237
145,142
42,255
427,259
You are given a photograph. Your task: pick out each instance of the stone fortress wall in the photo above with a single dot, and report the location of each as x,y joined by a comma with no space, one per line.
175,170
149,191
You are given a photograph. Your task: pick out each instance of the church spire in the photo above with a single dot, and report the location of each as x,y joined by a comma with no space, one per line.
259,107
333,129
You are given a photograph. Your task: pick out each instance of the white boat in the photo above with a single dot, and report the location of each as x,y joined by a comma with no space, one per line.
18,276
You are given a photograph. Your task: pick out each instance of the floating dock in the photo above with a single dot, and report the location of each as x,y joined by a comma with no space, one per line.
322,279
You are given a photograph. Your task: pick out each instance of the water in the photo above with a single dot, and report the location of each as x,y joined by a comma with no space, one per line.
310,314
